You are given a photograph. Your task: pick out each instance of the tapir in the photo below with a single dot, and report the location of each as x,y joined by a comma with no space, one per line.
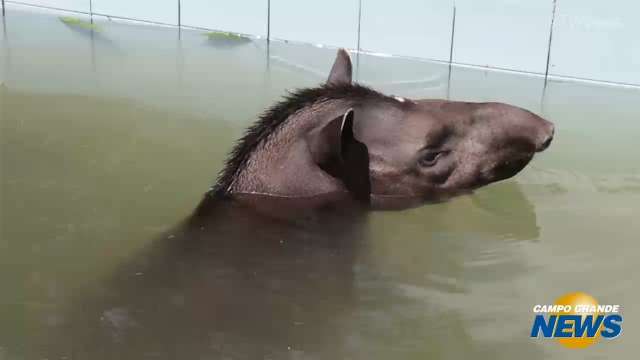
233,283
343,141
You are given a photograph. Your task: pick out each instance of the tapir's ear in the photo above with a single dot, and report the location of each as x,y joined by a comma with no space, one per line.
355,161
341,70
346,132
335,149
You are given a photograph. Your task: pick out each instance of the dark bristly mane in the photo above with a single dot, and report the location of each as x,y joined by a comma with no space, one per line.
277,115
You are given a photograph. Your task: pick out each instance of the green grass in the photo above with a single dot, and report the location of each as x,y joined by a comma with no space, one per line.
221,35
71,21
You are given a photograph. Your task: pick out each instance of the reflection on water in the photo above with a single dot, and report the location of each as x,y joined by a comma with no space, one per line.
109,141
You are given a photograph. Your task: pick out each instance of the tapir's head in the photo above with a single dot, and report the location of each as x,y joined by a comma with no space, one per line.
385,151
432,150
429,150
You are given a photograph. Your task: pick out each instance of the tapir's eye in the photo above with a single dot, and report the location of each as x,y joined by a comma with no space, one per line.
429,158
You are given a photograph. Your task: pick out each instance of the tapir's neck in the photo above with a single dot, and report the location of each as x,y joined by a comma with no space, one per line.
282,165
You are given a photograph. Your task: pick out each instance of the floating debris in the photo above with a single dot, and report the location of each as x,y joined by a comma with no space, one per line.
79,23
223,35
223,39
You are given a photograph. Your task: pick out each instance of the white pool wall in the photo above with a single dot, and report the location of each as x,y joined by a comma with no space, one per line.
582,39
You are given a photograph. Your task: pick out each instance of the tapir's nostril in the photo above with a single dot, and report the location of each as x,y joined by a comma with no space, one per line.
547,140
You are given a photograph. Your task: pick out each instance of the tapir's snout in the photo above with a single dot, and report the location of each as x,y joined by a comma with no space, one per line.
504,138
518,127
546,136
539,130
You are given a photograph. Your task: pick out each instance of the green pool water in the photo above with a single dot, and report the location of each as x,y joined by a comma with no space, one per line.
108,139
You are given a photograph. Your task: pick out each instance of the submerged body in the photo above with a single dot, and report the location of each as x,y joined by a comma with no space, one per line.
246,286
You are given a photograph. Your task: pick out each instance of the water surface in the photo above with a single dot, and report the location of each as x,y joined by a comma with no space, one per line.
110,138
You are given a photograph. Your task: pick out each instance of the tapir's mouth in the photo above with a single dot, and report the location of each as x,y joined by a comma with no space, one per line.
508,168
